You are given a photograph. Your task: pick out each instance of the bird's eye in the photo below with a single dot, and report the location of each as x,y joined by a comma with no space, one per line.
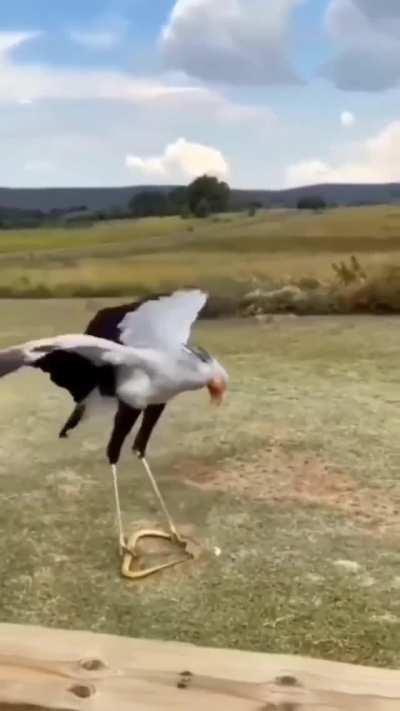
200,353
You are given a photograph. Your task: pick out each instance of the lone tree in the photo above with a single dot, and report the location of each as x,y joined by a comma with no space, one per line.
149,203
311,202
214,192
253,207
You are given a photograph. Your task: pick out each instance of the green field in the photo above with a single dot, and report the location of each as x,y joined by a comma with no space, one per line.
296,479
224,253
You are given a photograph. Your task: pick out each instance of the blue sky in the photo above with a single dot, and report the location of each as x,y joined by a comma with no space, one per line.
263,93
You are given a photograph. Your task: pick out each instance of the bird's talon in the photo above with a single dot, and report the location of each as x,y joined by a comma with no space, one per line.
177,539
123,548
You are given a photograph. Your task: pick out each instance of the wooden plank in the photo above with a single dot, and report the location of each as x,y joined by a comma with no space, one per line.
42,669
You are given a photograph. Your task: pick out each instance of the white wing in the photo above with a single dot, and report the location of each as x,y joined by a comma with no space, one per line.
165,322
99,351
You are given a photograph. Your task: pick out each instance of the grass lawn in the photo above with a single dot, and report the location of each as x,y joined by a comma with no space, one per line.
296,479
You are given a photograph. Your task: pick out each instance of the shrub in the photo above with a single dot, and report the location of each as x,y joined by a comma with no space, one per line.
349,273
311,202
377,294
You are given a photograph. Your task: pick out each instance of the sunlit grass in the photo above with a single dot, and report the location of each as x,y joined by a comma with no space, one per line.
224,253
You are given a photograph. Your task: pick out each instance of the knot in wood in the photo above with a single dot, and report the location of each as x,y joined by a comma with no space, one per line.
287,680
283,706
185,678
82,691
92,665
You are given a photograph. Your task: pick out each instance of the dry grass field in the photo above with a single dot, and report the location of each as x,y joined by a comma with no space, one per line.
223,253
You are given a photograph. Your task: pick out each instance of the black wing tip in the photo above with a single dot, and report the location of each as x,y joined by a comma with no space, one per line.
105,323
11,360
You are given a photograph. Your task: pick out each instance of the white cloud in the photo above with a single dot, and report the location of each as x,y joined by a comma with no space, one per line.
366,35
182,158
237,41
307,172
26,83
83,122
347,119
207,102
376,160
12,40
103,35
97,40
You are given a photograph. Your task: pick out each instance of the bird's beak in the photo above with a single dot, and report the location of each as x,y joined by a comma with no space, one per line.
217,390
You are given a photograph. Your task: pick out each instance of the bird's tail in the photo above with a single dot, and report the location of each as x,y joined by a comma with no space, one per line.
93,405
73,420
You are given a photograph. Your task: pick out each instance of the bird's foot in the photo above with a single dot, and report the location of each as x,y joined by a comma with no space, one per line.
123,546
176,538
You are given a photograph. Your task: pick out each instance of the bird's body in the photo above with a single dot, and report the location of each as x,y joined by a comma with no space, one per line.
140,376
135,357
165,375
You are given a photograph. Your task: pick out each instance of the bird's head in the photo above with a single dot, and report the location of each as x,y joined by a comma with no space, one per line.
218,384
209,373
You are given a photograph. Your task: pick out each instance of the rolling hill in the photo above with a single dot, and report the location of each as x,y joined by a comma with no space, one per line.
105,198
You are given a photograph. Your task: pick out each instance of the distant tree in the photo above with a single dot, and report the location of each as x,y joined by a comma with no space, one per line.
215,192
77,218
253,207
119,213
203,208
185,212
150,203
13,217
311,202
178,200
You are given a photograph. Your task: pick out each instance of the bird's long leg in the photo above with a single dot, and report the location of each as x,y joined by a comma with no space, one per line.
123,423
151,416
174,533
118,508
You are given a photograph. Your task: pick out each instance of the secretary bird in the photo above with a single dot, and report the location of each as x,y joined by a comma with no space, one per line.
135,356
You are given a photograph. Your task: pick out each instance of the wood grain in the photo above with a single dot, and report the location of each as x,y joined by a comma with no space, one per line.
42,669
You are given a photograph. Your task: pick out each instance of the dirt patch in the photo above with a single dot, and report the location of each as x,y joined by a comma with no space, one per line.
282,477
